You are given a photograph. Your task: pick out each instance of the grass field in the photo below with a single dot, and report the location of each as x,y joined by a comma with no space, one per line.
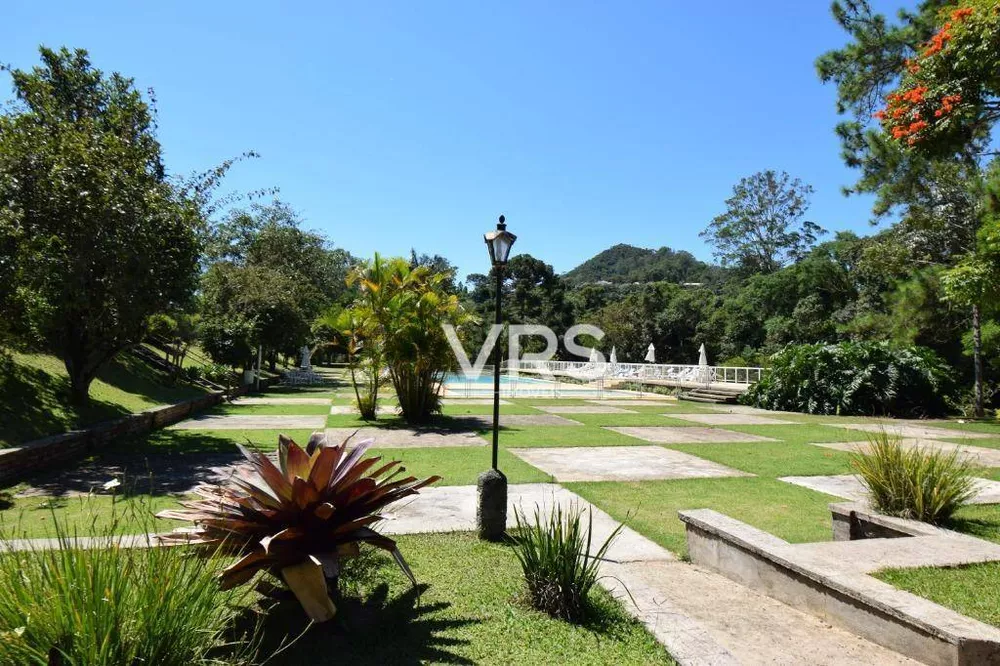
971,590
469,609
790,512
36,400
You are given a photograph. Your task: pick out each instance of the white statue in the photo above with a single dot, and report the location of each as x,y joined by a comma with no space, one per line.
306,357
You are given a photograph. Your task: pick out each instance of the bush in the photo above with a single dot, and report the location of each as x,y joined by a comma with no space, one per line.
921,484
555,556
108,605
859,378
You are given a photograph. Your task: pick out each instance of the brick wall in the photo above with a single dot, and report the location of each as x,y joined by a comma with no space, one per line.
19,462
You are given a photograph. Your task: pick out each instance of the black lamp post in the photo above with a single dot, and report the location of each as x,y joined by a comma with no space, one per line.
491,513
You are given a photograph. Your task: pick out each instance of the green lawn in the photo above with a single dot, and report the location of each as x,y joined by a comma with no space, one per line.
35,401
790,512
464,410
461,465
627,420
979,520
467,610
36,517
971,590
772,459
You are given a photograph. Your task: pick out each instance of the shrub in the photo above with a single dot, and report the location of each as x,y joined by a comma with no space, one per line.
108,605
922,484
299,519
557,561
863,378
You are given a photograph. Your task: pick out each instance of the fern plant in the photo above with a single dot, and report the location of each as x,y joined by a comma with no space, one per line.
918,483
555,555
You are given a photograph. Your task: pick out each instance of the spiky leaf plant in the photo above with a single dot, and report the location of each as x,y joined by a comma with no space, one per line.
921,483
559,559
299,518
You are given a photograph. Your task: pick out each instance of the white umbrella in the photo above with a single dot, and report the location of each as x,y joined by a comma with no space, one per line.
651,354
702,356
614,357
593,356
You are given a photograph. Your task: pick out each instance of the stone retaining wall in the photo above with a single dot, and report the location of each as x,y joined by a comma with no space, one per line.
19,462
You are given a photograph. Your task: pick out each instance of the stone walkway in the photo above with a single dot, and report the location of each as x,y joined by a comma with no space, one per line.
848,486
584,409
687,435
702,618
251,422
238,402
621,463
975,454
912,431
407,438
729,419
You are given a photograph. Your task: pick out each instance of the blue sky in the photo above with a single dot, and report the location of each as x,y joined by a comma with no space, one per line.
392,125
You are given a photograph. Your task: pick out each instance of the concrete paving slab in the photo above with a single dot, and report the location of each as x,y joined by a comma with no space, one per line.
868,555
705,618
687,434
280,401
850,487
485,421
352,410
976,454
251,422
635,402
471,401
407,438
912,431
583,409
453,508
621,463
730,419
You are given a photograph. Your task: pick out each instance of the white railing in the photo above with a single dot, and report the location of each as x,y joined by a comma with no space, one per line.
674,373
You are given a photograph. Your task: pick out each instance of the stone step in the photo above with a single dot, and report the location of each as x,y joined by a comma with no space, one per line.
830,581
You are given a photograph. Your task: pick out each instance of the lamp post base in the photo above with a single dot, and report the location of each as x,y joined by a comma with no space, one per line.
491,511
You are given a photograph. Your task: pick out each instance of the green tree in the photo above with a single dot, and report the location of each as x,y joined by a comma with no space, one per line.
920,108
93,238
763,227
396,323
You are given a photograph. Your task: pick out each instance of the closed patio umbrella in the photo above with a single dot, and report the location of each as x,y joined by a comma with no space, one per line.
651,354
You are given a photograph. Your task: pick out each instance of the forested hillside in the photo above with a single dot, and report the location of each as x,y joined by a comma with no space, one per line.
623,263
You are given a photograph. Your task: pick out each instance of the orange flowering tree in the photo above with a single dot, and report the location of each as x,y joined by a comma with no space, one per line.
949,94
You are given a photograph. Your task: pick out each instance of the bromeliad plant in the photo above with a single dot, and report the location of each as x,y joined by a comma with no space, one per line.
298,519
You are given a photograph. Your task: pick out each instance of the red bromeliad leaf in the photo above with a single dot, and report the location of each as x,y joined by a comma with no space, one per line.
316,504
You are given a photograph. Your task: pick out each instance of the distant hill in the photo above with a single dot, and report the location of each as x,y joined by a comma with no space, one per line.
623,264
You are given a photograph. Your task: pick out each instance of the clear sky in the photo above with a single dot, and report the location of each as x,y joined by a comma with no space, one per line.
392,125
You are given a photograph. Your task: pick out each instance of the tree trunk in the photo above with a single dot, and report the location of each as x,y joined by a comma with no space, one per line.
977,360
80,379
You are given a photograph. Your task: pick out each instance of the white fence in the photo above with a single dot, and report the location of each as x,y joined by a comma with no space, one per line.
656,372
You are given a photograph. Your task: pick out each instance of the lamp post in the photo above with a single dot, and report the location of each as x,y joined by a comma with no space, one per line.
491,512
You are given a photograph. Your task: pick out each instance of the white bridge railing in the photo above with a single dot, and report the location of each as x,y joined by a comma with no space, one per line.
681,374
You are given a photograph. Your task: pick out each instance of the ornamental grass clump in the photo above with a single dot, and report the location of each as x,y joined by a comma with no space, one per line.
919,483
106,605
556,557
300,518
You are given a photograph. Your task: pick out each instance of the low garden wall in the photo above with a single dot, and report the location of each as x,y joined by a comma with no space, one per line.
19,462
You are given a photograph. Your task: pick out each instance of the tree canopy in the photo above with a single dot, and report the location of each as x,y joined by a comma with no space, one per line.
93,236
